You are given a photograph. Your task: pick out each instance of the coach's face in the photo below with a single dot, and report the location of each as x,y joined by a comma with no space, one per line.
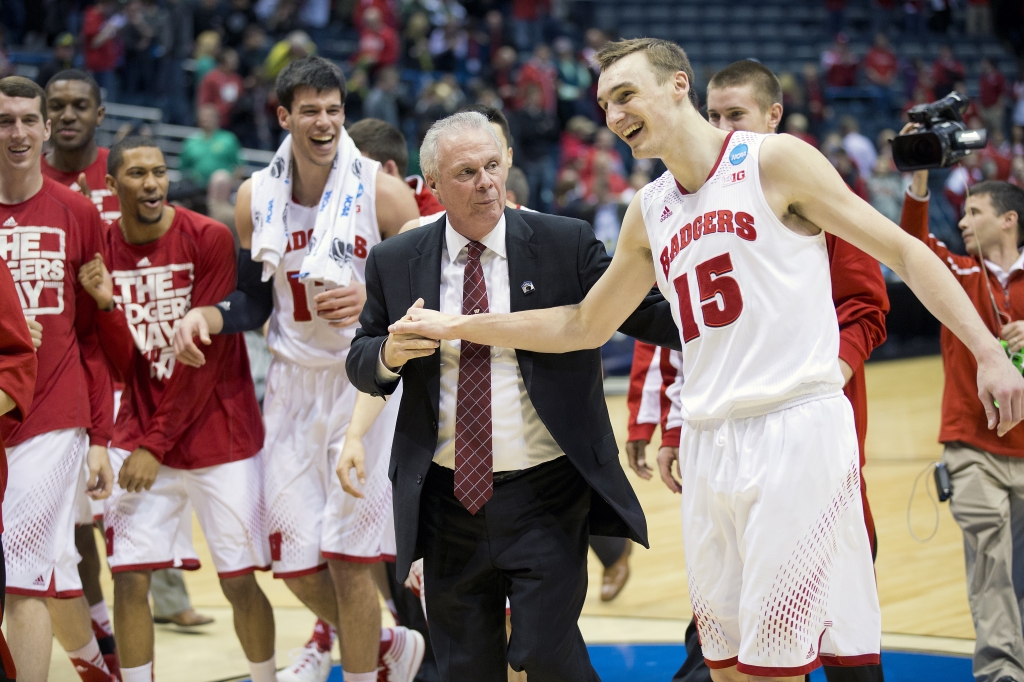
141,184
315,122
470,182
22,132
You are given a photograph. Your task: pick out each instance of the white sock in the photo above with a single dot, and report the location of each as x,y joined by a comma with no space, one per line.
143,673
262,672
357,677
100,616
91,654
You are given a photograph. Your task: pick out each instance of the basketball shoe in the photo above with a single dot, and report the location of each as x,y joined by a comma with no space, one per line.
312,663
401,655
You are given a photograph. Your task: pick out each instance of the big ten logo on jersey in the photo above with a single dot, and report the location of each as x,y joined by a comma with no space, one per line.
724,221
35,257
154,300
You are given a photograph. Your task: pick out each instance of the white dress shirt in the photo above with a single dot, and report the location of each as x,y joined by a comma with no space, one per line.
519,438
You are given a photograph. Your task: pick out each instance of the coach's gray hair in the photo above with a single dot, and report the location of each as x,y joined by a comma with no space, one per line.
455,124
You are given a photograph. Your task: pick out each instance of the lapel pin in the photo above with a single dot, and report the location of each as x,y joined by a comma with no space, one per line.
528,287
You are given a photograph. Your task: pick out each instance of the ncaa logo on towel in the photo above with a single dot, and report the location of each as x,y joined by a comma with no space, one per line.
357,167
738,155
277,167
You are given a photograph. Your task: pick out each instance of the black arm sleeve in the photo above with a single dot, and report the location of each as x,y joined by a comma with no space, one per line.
252,301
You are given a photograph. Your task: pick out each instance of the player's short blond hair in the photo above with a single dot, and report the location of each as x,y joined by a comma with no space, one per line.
665,57
764,85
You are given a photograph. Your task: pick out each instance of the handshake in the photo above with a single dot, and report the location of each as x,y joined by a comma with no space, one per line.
416,335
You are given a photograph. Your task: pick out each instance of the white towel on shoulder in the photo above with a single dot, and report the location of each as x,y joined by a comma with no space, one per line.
329,253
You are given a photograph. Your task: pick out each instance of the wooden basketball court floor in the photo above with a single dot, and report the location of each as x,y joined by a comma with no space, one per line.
921,585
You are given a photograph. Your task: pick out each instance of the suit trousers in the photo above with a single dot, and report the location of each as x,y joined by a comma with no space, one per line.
529,543
988,505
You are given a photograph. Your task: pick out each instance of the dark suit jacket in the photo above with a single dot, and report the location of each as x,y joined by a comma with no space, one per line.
564,260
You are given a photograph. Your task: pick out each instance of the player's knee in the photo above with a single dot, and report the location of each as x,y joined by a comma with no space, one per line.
132,585
351,578
241,589
306,586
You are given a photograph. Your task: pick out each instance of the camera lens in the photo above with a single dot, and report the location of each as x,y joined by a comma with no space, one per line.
916,151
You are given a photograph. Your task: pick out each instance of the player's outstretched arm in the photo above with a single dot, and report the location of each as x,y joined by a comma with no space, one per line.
589,324
797,178
353,456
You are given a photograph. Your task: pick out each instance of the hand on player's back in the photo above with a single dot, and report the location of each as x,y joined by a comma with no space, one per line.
341,306
400,348
138,471
192,325
636,453
96,281
35,330
999,383
353,456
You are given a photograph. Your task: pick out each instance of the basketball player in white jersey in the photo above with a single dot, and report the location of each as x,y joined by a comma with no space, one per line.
778,563
308,404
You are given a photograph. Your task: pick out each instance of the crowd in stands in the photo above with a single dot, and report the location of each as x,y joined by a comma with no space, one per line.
410,62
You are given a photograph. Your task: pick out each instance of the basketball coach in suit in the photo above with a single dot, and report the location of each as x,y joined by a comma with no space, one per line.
504,461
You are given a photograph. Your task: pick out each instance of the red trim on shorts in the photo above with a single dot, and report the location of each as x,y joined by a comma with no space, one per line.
778,672
356,559
299,574
49,593
849,661
241,572
714,169
718,665
186,565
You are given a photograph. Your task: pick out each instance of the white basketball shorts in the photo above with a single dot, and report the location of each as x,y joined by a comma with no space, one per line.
309,517
152,529
44,474
777,556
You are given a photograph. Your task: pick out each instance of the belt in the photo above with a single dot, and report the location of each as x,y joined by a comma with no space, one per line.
499,477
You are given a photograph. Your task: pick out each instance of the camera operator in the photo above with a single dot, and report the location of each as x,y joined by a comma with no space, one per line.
987,471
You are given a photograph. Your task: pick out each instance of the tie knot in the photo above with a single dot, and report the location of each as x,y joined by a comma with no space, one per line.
475,249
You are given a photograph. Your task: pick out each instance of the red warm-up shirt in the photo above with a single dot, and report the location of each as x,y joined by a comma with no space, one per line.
44,242
425,199
189,418
104,57
963,415
96,175
652,367
18,363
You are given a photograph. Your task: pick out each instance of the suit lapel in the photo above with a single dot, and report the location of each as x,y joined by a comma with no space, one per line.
522,262
425,283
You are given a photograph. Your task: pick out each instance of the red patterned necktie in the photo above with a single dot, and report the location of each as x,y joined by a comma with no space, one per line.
474,461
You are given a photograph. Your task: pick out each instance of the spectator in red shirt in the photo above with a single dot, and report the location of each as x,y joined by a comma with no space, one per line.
880,63
539,70
796,125
222,86
992,96
946,71
100,42
528,21
504,76
378,42
839,63
815,95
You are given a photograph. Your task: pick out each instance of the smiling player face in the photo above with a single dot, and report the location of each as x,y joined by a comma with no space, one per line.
22,133
141,184
638,107
315,122
734,108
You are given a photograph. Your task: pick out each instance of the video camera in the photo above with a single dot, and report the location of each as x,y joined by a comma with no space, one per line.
943,138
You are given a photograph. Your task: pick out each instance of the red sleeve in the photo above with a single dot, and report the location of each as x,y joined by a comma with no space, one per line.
97,371
643,355
18,361
914,222
858,291
670,437
178,408
208,91
92,24
389,55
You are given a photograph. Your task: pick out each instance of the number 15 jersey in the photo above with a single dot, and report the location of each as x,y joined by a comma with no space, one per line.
752,299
